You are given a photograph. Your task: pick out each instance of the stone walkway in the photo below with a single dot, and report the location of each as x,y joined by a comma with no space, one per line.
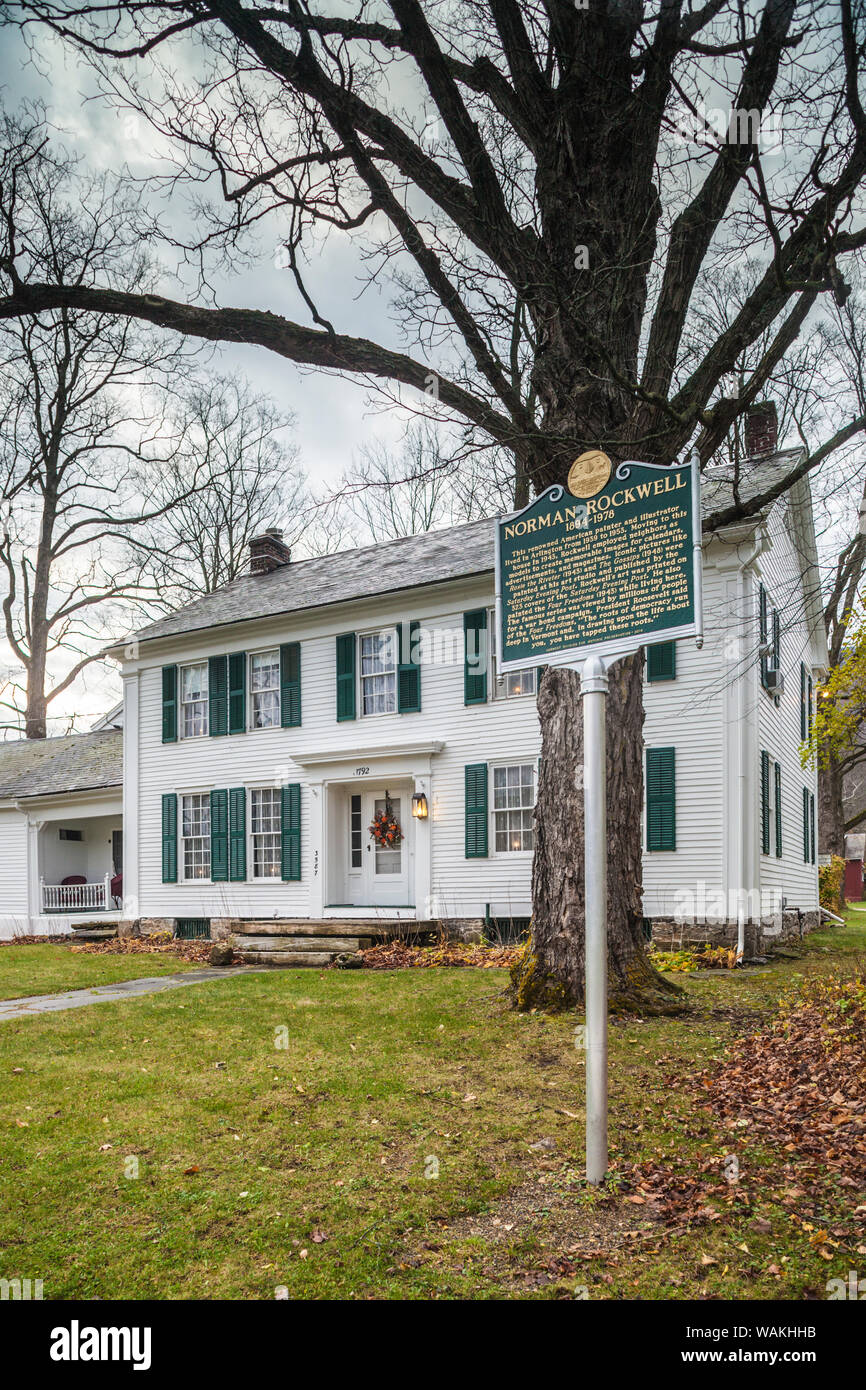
108,994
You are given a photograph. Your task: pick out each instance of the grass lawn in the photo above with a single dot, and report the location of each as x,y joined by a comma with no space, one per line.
391,1134
47,967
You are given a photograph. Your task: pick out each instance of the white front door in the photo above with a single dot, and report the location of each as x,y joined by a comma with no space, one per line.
378,876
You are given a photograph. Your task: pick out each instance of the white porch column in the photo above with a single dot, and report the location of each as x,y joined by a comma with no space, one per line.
34,885
131,861
319,865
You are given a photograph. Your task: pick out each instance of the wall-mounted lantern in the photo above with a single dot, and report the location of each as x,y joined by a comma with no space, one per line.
419,806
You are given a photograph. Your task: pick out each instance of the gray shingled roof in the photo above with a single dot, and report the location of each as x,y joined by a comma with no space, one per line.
430,558
79,762
349,574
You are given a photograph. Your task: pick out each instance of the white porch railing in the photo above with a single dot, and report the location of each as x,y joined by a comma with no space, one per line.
76,897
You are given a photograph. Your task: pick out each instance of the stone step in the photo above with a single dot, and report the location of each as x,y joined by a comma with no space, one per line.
309,927
287,960
300,943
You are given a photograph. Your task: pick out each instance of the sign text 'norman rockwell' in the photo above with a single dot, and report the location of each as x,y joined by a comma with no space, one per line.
602,573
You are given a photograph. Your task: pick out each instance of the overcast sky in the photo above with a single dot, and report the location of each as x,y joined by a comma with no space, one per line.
334,416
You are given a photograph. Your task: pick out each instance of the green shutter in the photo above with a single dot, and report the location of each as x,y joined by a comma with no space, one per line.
777,788
765,802
169,704
218,692
475,658
661,661
777,641
802,703
808,706
291,832
661,799
238,835
812,825
346,676
237,692
290,685
409,670
169,838
219,836
475,780
762,630
805,825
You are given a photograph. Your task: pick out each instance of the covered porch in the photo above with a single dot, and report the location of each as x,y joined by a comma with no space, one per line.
80,864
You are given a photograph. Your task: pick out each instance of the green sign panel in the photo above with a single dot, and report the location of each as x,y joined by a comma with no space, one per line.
603,573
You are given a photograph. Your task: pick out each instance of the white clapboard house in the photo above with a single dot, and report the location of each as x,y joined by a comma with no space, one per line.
266,726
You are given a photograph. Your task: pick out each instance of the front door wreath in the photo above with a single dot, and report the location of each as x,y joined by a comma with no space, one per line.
385,828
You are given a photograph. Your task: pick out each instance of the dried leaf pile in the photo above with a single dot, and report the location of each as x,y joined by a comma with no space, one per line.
158,944
397,955
796,1092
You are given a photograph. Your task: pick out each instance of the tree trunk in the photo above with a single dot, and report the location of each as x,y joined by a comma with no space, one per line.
831,814
550,973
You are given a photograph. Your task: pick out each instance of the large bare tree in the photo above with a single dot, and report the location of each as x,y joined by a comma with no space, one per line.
79,446
543,184
235,475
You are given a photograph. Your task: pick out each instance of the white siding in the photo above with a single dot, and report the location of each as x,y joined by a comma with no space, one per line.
686,714
779,727
13,873
501,730
700,713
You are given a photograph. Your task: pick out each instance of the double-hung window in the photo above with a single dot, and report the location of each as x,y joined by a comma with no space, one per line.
266,829
513,804
193,700
511,683
195,835
265,689
379,672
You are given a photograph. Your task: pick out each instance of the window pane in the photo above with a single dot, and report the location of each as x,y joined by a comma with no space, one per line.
194,705
194,681
378,673
195,831
513,802
264,670
266,709
266,825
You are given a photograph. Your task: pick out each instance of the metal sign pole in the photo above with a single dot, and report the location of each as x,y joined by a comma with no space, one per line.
593,684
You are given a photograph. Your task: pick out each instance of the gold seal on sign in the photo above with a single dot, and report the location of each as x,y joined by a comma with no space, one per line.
589,473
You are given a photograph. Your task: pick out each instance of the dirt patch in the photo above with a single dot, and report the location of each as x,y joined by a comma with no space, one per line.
545,1232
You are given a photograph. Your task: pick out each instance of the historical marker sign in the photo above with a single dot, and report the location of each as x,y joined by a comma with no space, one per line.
601,567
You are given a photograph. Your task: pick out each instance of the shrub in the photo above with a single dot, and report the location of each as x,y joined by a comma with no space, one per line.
831,878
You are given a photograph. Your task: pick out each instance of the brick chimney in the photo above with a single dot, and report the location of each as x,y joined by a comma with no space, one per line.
762,429
268,552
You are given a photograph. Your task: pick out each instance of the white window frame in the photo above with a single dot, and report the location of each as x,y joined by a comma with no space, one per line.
205,700
206,839
493,680
356,869
508,852
377,632
251,836
251,694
